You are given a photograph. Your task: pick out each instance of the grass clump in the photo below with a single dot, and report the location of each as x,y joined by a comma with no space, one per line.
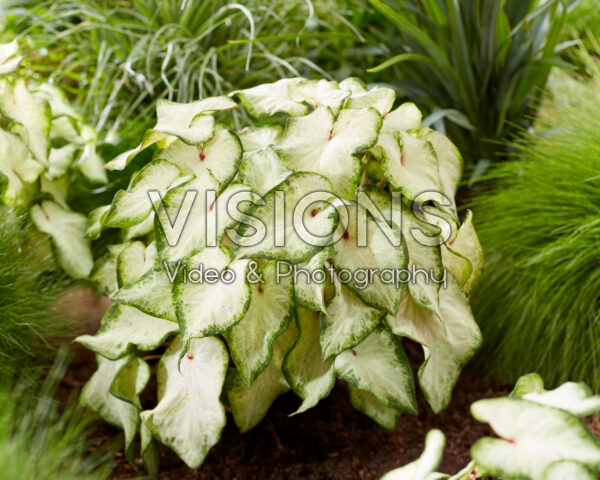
539,223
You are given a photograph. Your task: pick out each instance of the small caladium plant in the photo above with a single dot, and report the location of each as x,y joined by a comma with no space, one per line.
540,437
283,255
44,143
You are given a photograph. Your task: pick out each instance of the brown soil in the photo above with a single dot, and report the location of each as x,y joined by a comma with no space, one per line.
329,442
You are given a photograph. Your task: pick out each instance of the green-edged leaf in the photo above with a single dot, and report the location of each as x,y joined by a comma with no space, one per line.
379,255
269,313
281,240
135,260
426,263
104,271
132,206
532,437
406,117
346,321
211,307
139,230
56,189
91,165
33,114
125,329
424,467
463,255
152,292
189,417
575,398
379,365
355,85
380,98
263,170
271,98
310,377
320,143
97,396
468,472
310,280
250,403
366,403
450,161
568,470
59,161
9,61
319,92
448,345
66,228
221,155
150,138
259,138
19,169
95,220
409,163
56,98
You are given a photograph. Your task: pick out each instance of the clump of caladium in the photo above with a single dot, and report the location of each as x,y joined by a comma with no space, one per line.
540,437
276,258
43,142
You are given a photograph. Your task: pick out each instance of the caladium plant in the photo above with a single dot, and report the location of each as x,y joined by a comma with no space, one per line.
253,262
540,437
43,141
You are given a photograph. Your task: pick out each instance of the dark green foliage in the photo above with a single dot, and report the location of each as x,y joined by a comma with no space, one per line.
38,443
29,292
539,223
484,60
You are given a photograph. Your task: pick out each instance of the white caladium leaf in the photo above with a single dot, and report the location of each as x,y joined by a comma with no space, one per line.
18,168
568,470
310,377
320,143
162,140
56,98
9,60
259,138
59,161
380,98
135,260
250,403
532,437
57,189
33,114
470,472
132,206
281,240
95,222
382,253
152,292
379,365
140,230
271,98
450,162
189,417
97,396
405,118
424,467
183,232
221,155
211,307
319,93
575,398
426,262
463,255
125,329
104,271
355,85
346,321
263,170
309,283
448,345
91,165
269,313
66,228
366,403
409,163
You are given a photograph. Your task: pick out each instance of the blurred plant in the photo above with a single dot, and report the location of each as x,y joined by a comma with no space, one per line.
541,437
117,58
539,221
36,442
478,67
585,22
